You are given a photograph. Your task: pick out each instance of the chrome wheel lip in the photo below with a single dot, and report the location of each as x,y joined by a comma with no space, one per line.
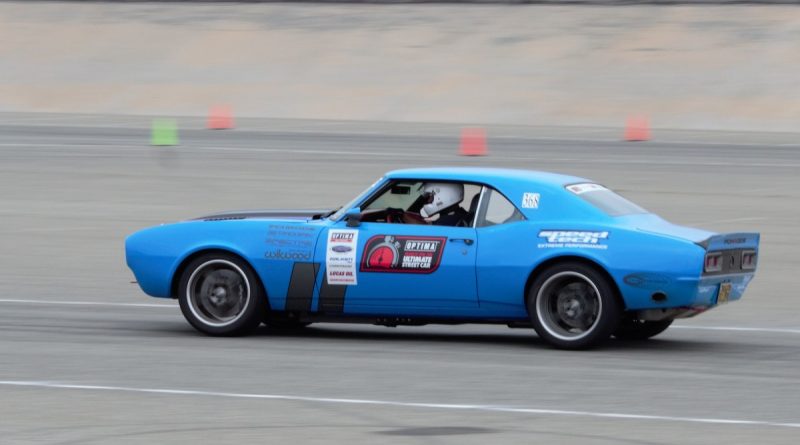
543,312
191,300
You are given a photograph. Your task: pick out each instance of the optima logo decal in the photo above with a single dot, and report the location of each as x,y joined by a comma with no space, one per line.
573,239
402,254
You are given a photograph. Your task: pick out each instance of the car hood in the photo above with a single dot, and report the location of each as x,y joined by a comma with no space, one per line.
263,214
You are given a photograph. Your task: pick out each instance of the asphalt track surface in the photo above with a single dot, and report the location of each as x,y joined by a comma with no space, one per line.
86,358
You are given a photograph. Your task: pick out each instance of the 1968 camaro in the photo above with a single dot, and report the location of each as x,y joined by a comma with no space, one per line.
569,257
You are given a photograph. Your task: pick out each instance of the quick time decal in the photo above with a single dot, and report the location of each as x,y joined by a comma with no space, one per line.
573,239
530,200
340,257
580,189
402,254
289,242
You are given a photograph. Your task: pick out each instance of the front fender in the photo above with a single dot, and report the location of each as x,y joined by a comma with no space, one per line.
155,254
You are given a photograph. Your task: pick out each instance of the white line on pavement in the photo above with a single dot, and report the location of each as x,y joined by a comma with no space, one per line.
86,303
442,406
739,329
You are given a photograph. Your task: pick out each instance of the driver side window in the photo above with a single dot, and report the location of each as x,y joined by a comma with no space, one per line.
430,202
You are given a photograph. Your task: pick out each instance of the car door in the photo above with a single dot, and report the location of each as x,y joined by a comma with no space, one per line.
384,268
414,269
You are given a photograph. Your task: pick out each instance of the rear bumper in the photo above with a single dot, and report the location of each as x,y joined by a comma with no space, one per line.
698,293
708,288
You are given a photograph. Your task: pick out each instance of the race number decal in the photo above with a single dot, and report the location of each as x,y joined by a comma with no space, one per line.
340,257
530,200
402,254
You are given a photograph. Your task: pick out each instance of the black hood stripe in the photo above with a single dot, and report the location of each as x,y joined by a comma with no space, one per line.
267,214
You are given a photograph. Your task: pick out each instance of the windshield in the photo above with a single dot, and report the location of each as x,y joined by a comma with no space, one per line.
340,211
605,200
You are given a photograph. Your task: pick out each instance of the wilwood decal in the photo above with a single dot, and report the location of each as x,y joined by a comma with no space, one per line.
290,242
402,254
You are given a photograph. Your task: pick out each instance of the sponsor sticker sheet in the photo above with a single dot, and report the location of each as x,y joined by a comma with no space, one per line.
340,256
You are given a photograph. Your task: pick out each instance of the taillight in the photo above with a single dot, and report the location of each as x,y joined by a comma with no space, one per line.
748,259
713,262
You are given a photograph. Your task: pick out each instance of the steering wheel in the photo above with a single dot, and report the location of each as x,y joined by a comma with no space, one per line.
394,215
414,218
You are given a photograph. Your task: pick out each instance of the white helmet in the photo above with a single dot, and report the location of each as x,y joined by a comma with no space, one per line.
440,195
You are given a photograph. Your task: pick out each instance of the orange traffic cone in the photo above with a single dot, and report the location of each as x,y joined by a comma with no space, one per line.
473,142
637,128
220,117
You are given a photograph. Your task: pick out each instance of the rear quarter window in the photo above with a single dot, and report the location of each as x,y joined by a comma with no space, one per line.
499,210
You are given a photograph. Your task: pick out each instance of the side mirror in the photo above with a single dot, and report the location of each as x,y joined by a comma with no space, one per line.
353,217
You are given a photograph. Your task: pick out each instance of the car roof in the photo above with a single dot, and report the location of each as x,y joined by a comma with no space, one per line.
492,176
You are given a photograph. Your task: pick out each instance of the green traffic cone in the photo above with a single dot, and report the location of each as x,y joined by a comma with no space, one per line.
165,132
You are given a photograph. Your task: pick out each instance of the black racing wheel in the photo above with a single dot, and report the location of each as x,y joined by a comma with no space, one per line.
220,294
573,306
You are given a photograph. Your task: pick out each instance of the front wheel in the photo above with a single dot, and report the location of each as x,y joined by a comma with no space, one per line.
573,306
631,329
219,294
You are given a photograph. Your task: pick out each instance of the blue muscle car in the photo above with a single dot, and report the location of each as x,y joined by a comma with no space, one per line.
562,254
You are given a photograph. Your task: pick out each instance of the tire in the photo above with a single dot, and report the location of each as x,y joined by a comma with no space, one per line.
573,306
220,295
631,329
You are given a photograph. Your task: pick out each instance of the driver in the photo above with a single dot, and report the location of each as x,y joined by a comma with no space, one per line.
443,199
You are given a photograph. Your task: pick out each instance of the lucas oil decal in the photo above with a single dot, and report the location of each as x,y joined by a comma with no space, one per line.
340,257
573,239
402,254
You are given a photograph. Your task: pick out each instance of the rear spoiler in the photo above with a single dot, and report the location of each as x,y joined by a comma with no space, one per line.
728,241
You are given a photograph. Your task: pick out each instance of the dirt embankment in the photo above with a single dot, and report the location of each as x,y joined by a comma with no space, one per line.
716,67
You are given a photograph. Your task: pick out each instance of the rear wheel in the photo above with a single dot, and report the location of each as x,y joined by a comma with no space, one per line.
632,329
219,294
573,306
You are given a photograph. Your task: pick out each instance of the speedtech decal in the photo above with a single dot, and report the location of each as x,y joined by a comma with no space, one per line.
573,238
402,254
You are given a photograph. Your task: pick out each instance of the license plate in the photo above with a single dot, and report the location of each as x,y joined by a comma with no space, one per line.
724,293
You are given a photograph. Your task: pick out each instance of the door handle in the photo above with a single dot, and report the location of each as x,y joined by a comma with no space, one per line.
466,241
